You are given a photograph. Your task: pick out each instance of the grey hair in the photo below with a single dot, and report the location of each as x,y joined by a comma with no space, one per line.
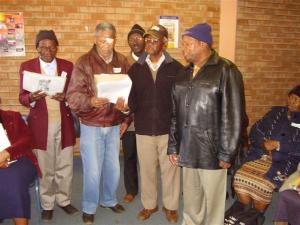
105,26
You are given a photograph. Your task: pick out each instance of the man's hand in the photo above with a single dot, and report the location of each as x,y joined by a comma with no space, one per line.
123,129
59,97
121,105
224,165
37,95
174,159
98,102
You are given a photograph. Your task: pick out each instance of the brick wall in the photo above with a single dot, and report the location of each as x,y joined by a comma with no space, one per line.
267,52
267,47
74,23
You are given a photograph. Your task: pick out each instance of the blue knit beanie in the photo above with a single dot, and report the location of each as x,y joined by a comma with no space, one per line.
201,32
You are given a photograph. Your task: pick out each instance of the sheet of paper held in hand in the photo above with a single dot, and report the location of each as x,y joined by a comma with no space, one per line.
50,84
112,86
4,143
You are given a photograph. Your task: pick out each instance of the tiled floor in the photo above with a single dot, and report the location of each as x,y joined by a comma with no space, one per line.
104,216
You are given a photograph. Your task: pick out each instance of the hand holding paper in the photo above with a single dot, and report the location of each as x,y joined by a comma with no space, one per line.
113,86
59,97
36,96
98,102
121,105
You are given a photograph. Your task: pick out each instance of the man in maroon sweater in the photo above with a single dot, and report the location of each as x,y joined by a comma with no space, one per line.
52,126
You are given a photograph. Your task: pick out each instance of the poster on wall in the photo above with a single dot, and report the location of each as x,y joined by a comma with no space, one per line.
172,24
12,41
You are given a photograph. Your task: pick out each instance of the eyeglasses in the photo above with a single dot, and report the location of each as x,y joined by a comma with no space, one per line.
48,48
152,41
134,39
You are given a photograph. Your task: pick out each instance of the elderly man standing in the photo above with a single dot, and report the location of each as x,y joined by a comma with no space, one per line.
52,126
100,123
150,100
136,43
208,107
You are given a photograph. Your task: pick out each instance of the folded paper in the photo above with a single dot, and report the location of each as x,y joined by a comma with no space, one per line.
49,84
113,86
4,143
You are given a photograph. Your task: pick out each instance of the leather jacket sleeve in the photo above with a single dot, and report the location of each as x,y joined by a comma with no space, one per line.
79,90
232,111
173,136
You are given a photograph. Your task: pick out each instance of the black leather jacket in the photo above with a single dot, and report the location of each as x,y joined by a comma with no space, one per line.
207,114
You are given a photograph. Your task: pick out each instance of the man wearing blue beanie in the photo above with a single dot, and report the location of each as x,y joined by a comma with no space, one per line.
208,107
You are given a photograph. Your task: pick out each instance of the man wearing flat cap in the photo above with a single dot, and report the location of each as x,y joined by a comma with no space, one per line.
150,100
136,43
52,126
208,107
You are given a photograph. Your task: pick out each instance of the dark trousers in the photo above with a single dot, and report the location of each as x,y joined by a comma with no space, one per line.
130,163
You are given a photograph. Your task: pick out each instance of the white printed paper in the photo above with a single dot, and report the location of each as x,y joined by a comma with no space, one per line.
113,86
295,125
4,142
49,84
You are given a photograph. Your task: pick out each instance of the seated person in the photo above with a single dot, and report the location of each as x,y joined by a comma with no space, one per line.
16,177
288,206
273,155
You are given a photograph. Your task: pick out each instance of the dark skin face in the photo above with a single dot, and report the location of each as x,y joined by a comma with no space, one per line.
293,103
105,43
47,50
136,43
195,51
191,49
154,47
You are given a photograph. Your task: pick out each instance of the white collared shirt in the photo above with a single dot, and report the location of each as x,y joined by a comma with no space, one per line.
134,56
155,66
49,68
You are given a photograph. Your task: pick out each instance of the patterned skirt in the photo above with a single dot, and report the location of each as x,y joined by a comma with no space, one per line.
250,180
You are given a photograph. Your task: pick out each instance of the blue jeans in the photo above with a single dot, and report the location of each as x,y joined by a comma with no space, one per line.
99,148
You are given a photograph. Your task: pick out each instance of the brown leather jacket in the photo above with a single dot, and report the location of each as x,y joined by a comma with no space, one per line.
82,87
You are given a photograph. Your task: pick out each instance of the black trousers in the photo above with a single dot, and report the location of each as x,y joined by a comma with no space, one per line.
130,163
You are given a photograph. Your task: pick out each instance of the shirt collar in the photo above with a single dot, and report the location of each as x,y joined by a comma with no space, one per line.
48,67
155,66
134,56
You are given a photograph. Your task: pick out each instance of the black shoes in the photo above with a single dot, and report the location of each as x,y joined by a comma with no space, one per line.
69,209
88,218
116,209
47,215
